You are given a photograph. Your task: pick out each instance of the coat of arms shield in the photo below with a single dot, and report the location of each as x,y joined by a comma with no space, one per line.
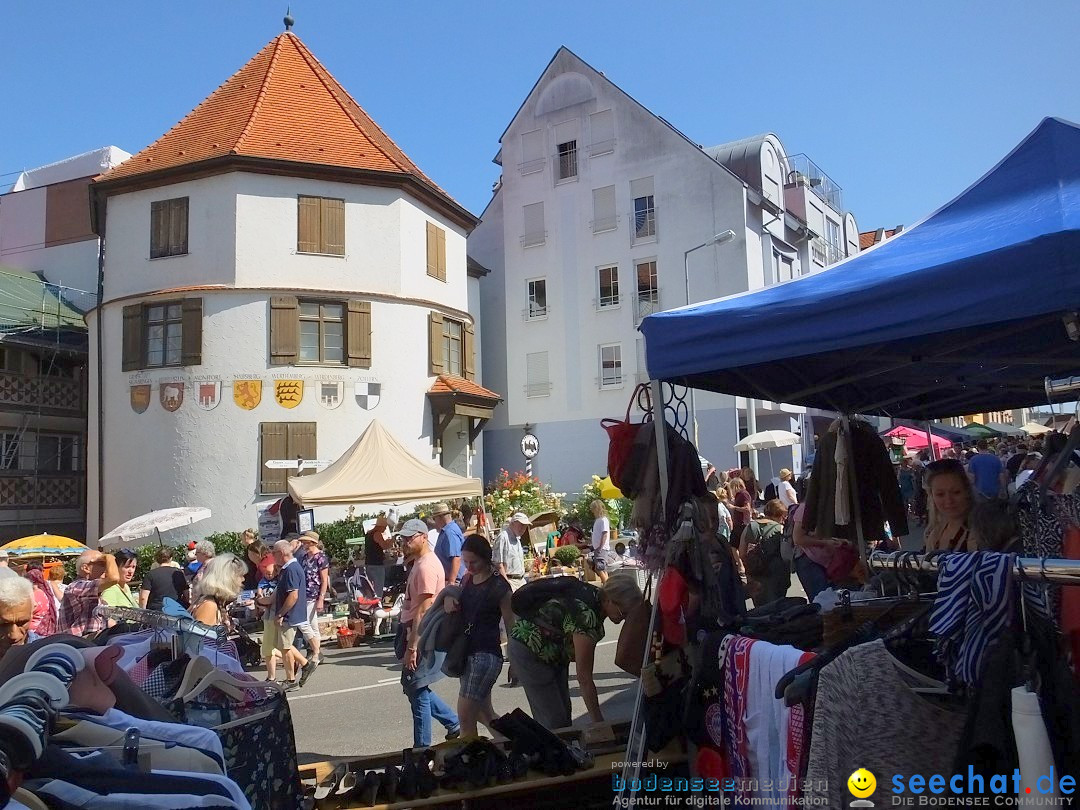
368,394
247,394
329,393
171,395
140,398
288,393
209,394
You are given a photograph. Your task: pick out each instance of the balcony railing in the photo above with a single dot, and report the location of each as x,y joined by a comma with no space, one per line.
602,148
49,393
645,223
566,162
533,239
605,224
833,253
801,171
647,304
531,166
818,252
41,491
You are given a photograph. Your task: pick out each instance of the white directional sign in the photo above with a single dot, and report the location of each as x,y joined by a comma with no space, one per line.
282,464
314,465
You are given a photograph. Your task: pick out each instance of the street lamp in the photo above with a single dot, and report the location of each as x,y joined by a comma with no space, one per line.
718,239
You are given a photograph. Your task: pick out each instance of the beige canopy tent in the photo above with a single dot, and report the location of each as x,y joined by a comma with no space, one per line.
1034,428
378,470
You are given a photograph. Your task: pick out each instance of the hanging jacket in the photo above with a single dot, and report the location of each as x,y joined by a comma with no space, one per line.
876,485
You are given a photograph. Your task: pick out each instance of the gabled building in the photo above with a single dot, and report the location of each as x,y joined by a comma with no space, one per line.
605,213
277,273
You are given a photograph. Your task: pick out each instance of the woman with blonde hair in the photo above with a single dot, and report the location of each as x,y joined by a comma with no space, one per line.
951,499
741,508
217,588
601,539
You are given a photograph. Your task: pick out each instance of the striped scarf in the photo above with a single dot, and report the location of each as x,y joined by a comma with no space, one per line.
972,608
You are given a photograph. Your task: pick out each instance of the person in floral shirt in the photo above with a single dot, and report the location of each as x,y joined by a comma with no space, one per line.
316,567
560,630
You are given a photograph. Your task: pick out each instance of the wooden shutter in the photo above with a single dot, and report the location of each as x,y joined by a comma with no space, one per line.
133,338
358,333
191,332
284,329
307,225
432,251
440,254
159,228
301,443
332,232
435,343
273,444
468,353
178,226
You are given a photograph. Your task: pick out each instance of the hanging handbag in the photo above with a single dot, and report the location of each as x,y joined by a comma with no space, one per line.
457,656
621,435
630,651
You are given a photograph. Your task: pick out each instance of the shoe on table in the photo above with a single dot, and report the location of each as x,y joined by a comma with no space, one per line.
305,673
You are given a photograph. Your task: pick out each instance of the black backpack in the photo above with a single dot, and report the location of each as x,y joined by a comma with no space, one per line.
771,492
532,595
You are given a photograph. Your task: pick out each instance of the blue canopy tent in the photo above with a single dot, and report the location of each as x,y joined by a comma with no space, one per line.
966,311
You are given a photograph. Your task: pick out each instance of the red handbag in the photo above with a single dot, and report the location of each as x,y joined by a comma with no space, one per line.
843,560
621,434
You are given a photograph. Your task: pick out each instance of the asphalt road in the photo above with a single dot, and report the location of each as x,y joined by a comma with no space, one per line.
353,704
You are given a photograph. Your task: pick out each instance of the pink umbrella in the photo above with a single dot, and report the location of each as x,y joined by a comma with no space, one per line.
916,439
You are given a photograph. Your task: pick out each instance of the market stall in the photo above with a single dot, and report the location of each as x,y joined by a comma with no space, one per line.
839,340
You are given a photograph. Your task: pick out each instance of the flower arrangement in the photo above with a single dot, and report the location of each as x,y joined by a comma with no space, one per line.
518,492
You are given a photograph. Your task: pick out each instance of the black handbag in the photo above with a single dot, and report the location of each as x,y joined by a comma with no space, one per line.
458,655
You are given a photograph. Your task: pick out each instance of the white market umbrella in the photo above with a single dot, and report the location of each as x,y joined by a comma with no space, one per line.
152,523
767,439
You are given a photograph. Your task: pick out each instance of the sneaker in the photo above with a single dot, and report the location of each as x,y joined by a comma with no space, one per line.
290,686
305,673
453,733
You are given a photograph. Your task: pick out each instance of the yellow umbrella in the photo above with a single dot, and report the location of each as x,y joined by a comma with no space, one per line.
608,489
44,545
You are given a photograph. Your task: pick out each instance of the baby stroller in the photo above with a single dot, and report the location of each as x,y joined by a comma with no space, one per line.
365,605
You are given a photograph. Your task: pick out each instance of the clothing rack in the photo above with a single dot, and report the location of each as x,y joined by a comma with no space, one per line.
1030,569
161,621
28,704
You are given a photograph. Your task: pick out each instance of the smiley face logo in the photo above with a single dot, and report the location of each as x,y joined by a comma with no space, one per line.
862,783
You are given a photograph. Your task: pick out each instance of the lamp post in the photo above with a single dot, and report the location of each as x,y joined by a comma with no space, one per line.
718,239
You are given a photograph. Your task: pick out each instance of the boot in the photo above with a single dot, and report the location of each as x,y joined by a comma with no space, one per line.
391,778
407,783
425,780
369,790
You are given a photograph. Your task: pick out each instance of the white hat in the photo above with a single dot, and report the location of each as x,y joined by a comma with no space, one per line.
520,517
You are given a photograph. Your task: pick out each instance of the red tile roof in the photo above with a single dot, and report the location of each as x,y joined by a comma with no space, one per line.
450,384
283,104
870,238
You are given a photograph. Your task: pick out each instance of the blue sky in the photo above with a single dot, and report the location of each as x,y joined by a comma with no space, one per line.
903,104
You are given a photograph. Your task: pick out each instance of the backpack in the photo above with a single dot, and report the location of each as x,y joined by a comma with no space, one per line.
771,492
764,548
532,595
787,539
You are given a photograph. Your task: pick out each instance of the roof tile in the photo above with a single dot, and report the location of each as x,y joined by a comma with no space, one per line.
451,384
283,104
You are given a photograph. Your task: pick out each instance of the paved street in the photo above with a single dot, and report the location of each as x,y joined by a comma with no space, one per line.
354,705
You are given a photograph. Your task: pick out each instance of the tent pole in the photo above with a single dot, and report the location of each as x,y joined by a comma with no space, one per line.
853,485
930,443
635,744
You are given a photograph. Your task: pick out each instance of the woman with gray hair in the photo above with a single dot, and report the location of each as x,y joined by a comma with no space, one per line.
562,629
16,610
221,582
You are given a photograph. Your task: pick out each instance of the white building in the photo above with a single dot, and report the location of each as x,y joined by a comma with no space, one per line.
599,205
277,274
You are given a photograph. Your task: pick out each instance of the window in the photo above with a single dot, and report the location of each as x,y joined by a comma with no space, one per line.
164,328
644,208
322,332
452,338
834,244
534,233
537,298
169,227
567,160
9,451
436,252
608,278
602,130
537,380
611,366
648,290
320,225
603,202
783,267
58,453
532,152
284,441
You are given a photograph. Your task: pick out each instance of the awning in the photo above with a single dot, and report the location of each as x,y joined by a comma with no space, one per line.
377,469
916,439
965,312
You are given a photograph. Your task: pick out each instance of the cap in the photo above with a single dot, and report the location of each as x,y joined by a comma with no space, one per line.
520,517
440,509
412,528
